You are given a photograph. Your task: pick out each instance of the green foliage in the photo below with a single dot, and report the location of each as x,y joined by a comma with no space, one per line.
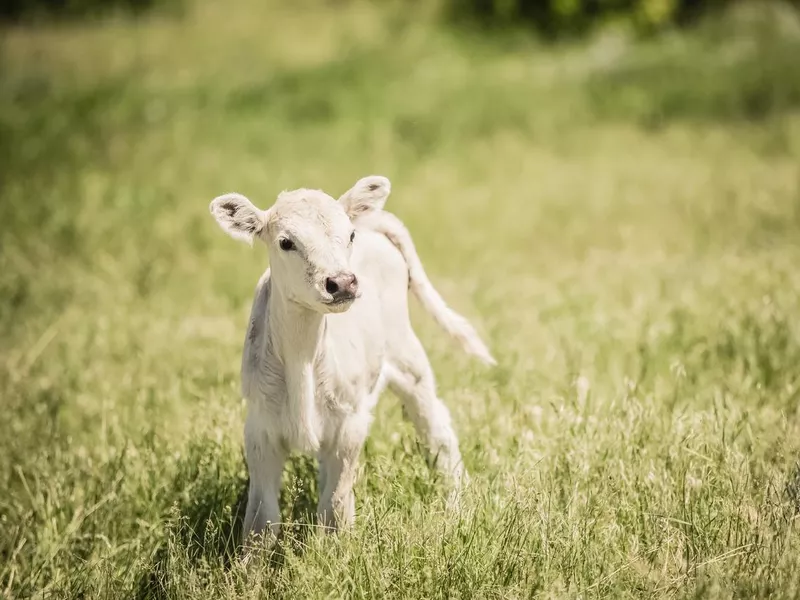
572,17
736,66
16,10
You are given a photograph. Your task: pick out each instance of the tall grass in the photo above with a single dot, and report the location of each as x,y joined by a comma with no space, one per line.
620,219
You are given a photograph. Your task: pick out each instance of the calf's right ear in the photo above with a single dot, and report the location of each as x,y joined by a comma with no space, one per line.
238,217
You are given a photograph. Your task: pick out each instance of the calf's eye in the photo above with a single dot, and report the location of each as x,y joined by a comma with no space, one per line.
286,244
352,237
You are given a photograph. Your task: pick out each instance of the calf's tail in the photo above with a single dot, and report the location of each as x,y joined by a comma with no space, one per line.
452,322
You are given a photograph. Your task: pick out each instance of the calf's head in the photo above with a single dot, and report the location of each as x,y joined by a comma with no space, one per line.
310,237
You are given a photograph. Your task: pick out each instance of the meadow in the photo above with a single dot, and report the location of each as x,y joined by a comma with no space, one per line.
620,218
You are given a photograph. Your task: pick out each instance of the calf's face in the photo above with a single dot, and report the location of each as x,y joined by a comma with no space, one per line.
310,238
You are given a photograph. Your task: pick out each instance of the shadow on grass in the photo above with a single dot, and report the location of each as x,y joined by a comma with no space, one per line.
205,524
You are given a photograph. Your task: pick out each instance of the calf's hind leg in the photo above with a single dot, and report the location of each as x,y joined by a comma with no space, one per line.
411,379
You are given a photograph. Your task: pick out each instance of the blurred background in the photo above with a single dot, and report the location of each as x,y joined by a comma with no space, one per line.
609,189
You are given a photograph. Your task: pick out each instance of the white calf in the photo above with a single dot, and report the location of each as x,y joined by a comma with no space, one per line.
329,328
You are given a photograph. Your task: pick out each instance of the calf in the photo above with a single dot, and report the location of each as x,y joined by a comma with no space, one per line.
329,329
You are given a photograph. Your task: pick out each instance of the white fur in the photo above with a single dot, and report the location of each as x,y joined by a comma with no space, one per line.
312,370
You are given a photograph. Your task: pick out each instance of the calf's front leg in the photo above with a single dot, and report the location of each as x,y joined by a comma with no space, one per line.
265,462
338,463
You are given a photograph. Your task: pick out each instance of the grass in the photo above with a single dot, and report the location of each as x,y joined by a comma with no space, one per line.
620,220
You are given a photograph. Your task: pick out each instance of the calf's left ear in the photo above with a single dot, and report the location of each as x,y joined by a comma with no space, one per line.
368,194
238,217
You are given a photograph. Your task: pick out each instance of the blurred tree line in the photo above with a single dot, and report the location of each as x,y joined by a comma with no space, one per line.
14,10
550,18
556,18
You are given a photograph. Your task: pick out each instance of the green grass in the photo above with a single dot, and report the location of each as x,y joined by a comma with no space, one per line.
621,221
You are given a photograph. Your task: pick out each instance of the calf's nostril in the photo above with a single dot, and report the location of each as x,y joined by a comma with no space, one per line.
331,286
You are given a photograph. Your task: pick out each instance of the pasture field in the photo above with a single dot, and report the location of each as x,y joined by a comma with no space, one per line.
620,219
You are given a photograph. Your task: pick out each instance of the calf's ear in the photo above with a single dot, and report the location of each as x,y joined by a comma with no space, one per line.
367,195
238,217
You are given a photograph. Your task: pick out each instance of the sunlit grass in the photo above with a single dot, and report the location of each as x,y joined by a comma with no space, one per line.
627,242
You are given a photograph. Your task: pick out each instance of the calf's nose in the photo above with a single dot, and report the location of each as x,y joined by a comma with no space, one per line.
343,285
